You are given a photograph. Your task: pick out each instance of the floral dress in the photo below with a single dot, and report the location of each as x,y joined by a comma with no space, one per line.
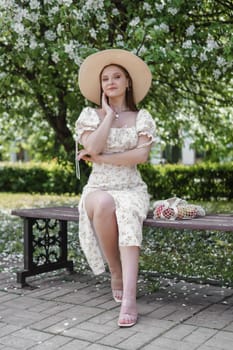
123,183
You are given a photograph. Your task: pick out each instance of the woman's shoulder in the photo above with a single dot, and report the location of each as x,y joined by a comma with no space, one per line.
144,114
145,120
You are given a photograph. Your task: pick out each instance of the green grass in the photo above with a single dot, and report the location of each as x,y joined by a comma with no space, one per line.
205,256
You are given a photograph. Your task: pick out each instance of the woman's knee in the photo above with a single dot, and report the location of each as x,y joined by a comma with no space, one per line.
100,203
105,205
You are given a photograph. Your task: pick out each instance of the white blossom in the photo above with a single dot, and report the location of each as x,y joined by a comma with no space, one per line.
34,4
3,75
203,57
53,11
104,26
20,14
134,22
163,50
159,7
194,69
33,17
164,27
50,35
146,6
33,43
18,28
21,43
92,32
65,2
221,61
29,63
78,15
55,57
187,44
190,30
172,10
211,44
216,73
142,50
194,53
70,49
60,29
115,12
94,5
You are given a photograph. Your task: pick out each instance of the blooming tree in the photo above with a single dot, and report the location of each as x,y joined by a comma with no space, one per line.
187,44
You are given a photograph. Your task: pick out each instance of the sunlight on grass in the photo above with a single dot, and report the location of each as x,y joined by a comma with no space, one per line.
27,200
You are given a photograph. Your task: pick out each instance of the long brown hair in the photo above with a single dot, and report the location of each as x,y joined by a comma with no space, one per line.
129,98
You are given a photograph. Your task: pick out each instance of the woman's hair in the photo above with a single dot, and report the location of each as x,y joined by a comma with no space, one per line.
129,98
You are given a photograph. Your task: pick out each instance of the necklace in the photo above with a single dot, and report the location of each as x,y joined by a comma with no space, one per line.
117,114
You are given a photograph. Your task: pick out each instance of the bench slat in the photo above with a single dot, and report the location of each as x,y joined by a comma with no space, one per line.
221,222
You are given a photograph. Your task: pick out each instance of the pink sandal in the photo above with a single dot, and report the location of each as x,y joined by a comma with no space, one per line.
117,295
127,318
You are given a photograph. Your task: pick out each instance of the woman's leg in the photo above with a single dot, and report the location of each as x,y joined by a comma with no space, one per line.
100,208
129,259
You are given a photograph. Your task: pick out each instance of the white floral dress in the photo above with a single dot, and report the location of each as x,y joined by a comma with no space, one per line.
124,183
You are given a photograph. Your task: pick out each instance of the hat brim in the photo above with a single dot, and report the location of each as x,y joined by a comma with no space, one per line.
90,69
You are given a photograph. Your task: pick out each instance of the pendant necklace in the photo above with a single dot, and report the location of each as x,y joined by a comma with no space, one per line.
117,114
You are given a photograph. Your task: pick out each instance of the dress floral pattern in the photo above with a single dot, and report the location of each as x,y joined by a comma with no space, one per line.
124,183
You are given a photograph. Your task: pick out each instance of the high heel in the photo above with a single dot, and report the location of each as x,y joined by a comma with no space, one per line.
117,295
127,318
117,290
131,320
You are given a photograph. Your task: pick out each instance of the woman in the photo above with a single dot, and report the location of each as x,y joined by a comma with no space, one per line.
115,138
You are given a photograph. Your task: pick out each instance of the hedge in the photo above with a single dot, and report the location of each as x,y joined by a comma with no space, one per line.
201,182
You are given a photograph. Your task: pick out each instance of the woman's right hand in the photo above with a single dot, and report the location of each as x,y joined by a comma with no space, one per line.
107,109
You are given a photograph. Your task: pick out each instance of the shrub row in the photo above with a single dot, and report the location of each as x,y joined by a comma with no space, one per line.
41,178
202,181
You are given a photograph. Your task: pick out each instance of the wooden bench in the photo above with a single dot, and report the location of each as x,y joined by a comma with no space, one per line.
45,235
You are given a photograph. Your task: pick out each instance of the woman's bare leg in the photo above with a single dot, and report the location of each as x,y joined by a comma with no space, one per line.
100,208
130,260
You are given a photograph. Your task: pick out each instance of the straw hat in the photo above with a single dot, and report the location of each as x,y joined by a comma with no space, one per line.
90,69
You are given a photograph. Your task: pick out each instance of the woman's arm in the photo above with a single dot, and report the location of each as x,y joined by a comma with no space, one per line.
127,158
95,141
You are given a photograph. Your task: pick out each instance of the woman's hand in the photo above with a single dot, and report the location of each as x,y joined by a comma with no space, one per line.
107,109
85,155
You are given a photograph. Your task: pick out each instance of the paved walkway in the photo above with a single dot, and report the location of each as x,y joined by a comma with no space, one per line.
77,312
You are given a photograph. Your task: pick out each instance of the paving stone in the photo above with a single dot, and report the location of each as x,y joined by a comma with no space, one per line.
16,342
76,345
200,335
53,343
28,333
118,337
221,339
6,329
169,344
47,322
180,332
77,332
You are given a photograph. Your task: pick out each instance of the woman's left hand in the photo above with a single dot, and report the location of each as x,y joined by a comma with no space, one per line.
84,155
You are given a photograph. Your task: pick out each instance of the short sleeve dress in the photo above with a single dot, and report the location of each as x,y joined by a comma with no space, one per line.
123,183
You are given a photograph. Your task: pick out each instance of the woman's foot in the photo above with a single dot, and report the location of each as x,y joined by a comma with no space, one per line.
117,289
128,314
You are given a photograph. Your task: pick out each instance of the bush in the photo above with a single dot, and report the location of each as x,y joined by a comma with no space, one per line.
199,182
41,178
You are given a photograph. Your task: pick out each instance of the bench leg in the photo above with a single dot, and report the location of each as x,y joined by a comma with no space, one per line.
45,248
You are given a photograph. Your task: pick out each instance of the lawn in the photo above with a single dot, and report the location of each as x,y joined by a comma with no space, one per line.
202,256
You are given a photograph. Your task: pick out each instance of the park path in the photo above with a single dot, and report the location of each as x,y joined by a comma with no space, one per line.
75,312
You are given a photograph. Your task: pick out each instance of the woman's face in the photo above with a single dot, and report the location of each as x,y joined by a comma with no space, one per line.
114,81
